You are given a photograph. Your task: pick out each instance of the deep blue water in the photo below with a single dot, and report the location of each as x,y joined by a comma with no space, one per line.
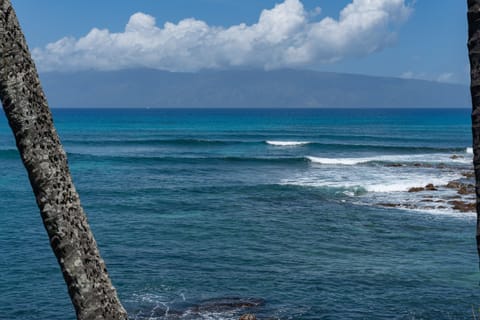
192,208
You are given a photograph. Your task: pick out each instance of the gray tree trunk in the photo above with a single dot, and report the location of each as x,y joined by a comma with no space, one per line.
474,55
26,108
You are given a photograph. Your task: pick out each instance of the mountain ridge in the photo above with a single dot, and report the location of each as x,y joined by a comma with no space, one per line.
245,88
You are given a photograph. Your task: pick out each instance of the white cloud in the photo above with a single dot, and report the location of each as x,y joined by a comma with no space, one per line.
284,36
408,75
416,75
448,77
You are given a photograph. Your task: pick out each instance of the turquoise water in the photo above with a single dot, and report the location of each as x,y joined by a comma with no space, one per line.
197,212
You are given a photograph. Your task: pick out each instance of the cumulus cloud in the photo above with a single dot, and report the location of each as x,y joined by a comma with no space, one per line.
284,36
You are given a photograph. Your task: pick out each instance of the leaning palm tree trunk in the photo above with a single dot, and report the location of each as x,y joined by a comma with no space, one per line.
26,108
474,55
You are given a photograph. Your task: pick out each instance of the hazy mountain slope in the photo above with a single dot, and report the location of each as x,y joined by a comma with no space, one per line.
281,88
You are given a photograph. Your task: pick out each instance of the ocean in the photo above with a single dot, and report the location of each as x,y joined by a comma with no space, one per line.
284,213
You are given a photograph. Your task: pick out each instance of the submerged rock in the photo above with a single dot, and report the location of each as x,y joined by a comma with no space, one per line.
462,188
389,205
466,189
227,305
428,187
468,174
461,201
416,189
453,185
395,165
463,206
222,304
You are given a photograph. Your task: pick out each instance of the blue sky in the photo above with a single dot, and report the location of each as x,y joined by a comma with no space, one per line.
422,39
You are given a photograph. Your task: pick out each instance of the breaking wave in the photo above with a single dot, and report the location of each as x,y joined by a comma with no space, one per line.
286,143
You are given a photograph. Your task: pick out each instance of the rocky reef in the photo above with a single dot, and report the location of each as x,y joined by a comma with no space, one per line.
457,195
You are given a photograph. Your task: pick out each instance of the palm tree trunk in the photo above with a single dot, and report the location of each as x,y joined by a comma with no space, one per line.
26,108
474,55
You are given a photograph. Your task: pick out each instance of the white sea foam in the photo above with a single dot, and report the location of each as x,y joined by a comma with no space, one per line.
400,184
341,161
417,158
343,175
446,212
469,150
372,182
372,185
286,143
355,161
160,307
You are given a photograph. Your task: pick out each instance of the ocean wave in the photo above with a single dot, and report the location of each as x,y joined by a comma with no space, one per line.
441,211
406,184
371,180
390,187
185,159
286,143
426,160
469,150
365,187
359,146
188,142
153,142
341,161
432,158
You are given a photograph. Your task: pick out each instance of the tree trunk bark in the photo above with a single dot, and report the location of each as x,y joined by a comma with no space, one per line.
26,108
474,55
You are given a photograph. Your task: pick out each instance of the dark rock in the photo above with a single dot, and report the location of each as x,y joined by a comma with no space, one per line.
416,189
463,188
248,316
453,185
468,174
395,165
455,157
463,206
420,165
466,189
430,187
223,304
389,205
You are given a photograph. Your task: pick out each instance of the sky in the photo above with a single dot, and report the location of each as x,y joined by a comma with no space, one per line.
421,39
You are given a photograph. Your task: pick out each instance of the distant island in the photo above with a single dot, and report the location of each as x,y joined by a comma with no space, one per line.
245,88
